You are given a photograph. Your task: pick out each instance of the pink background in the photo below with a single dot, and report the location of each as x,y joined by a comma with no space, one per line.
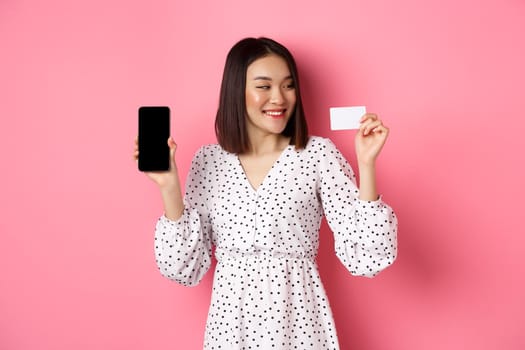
76,259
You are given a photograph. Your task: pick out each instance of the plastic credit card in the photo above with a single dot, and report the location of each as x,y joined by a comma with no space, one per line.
346,118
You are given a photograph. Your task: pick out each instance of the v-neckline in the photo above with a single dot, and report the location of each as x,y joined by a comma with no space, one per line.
265,178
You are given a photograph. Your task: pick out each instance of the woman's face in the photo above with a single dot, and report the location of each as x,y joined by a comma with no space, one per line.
270,95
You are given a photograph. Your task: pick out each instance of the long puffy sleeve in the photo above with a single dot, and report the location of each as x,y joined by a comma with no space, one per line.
365,232
183,247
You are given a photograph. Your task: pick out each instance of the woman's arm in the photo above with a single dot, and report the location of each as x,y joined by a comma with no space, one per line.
183,233
369,141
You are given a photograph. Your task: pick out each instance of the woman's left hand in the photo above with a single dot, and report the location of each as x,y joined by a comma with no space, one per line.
370,138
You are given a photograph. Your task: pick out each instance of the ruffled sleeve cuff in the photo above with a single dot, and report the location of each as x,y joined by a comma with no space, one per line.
371,205
165,221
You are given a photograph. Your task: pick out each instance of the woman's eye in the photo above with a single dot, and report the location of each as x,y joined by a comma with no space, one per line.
263,87
289,85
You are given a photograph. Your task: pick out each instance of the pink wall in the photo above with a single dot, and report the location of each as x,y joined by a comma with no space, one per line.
76,258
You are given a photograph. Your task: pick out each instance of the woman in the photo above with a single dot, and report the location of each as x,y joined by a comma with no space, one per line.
259,196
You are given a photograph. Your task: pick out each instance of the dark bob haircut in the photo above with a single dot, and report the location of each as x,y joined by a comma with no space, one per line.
230,122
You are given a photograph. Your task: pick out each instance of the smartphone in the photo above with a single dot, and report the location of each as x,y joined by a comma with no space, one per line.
154,131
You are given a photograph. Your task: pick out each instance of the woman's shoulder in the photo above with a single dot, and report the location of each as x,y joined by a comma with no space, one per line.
314,139
211,151
210,148
320,148
318,143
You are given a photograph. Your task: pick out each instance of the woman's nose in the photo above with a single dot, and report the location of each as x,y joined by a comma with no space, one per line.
277,96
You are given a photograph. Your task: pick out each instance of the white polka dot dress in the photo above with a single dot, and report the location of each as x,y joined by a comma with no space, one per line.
267,293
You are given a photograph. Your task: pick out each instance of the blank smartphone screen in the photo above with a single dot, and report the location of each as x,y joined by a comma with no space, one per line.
154,130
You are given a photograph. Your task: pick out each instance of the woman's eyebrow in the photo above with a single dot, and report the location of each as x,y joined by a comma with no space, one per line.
270,79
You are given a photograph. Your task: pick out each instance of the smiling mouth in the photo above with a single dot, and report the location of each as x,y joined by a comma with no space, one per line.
275,113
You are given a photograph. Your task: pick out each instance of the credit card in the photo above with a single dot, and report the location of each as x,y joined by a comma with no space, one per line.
346,118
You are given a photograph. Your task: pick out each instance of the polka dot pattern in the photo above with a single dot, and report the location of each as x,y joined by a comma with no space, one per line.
267,293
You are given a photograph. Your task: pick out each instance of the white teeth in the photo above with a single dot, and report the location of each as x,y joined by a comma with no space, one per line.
274,113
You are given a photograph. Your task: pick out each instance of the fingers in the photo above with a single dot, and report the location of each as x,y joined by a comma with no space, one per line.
368,116
136,149
368,122
172,143
173,147
371,123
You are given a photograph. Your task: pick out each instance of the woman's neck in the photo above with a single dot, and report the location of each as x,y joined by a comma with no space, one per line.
264,144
